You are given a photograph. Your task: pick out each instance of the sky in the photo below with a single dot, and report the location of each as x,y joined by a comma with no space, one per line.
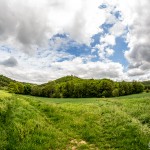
42,40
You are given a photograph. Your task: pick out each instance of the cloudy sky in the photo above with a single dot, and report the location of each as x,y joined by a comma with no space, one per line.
41,40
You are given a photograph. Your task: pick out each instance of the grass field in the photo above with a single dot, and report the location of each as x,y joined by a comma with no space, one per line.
33,123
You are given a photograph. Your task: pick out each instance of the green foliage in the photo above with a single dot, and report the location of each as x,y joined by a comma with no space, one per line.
49,89
67,78
115,93
13,88
4,82
36,91
16,87
146,84
106,87
20,88
137,87
27,89
74,87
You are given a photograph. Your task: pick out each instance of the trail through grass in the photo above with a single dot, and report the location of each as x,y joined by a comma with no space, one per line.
33,123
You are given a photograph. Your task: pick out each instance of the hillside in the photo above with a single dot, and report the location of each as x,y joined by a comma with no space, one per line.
5,81
63,80
74,87
146,84
28,122
67,78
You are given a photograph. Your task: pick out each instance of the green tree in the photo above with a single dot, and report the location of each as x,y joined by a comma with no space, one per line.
20,88
106,87
49,89
137,87
27,89
13,88
115,92
36,91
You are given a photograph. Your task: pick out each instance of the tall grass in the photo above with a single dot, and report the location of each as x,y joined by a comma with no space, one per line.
28,122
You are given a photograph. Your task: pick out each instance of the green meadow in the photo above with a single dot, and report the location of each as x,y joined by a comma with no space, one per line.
34,123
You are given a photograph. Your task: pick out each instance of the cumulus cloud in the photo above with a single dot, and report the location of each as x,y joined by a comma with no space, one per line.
50,65
104,48
10,62
104,52
109,52
22,26
117,29
108,39
136,72
90,69
29,25
134,19
59,69
138,38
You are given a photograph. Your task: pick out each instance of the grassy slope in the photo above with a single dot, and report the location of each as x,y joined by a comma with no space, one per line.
33,123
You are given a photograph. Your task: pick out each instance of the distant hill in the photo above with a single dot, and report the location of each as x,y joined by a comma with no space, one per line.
67,78
146,84
63,80
4,81
73,87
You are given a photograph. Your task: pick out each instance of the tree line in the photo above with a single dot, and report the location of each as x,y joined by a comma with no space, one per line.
73,87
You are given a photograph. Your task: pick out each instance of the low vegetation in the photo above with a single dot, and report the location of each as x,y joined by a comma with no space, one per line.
36,123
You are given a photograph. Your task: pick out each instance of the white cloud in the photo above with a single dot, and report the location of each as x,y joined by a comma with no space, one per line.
30,24
90,69
104,50
117,29
134,16
109,52
108,39
138,37
45,67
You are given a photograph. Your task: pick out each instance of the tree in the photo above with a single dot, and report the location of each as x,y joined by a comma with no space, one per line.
121,89
78,90
49,89
20,88
13,88
68,89
137,87
115,92
27,89
36,91
57,93
106,87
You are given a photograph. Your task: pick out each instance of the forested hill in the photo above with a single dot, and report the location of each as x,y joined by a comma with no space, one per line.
146,84
68,78
5,81
72,86
63,80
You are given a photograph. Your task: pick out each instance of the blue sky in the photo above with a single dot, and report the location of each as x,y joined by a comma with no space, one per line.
89,39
